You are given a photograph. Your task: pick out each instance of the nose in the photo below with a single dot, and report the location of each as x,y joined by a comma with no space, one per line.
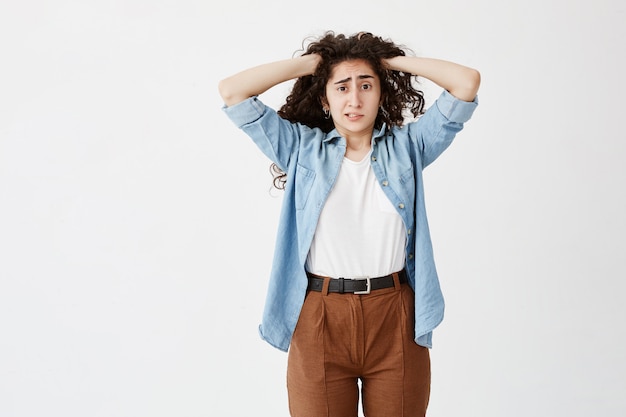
355,98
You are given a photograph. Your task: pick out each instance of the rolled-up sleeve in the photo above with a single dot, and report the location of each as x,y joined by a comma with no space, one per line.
276,137
454,109
435,130
245,112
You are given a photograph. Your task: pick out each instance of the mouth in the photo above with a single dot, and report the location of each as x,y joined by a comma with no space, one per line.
353,116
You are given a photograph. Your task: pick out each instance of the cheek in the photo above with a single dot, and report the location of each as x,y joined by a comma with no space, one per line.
333,102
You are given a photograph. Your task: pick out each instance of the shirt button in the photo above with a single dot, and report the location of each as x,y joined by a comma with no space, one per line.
410,256
401,205
385,183
408,232
373,158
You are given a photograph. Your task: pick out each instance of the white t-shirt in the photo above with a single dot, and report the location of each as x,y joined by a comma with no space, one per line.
359,233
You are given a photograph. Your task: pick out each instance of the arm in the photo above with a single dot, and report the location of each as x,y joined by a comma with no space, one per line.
460,81
256,80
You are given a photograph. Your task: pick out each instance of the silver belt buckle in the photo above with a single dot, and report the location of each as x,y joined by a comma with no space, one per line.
367,286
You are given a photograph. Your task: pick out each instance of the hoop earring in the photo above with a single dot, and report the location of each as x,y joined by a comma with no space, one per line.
326,114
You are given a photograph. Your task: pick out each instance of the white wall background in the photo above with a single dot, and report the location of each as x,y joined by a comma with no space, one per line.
137,226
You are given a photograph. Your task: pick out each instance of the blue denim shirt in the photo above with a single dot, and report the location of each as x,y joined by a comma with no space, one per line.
311,159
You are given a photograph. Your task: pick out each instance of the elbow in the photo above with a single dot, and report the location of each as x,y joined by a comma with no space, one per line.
467,86
225,91
471,85
230,92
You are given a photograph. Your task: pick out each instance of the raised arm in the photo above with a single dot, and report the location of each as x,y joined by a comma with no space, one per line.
460,81
256,80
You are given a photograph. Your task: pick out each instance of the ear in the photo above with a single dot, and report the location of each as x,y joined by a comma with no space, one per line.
324,102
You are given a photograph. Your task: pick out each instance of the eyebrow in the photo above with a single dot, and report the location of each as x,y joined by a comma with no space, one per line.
360,77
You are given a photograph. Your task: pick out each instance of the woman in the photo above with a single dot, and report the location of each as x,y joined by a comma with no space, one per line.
354,293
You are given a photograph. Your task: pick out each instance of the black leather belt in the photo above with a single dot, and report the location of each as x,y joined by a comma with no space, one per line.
354,286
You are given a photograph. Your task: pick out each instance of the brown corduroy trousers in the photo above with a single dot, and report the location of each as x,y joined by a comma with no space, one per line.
341,338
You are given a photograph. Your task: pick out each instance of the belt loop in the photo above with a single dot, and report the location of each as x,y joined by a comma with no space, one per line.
325,285
340,281
396,281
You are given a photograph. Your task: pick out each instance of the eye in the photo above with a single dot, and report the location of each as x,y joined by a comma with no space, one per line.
342,88
366,86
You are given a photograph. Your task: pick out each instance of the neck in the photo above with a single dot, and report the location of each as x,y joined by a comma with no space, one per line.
356,149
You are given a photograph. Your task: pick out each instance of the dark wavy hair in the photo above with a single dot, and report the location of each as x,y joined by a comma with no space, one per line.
399,97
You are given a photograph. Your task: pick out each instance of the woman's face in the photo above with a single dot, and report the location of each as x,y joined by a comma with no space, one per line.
353,96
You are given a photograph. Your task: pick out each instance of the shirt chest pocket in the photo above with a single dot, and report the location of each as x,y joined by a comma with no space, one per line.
407,183
303,184
402,192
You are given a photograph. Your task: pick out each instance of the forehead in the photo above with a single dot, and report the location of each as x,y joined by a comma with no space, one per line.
351,68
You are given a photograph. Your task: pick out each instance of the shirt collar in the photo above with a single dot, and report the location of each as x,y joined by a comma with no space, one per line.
376,135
